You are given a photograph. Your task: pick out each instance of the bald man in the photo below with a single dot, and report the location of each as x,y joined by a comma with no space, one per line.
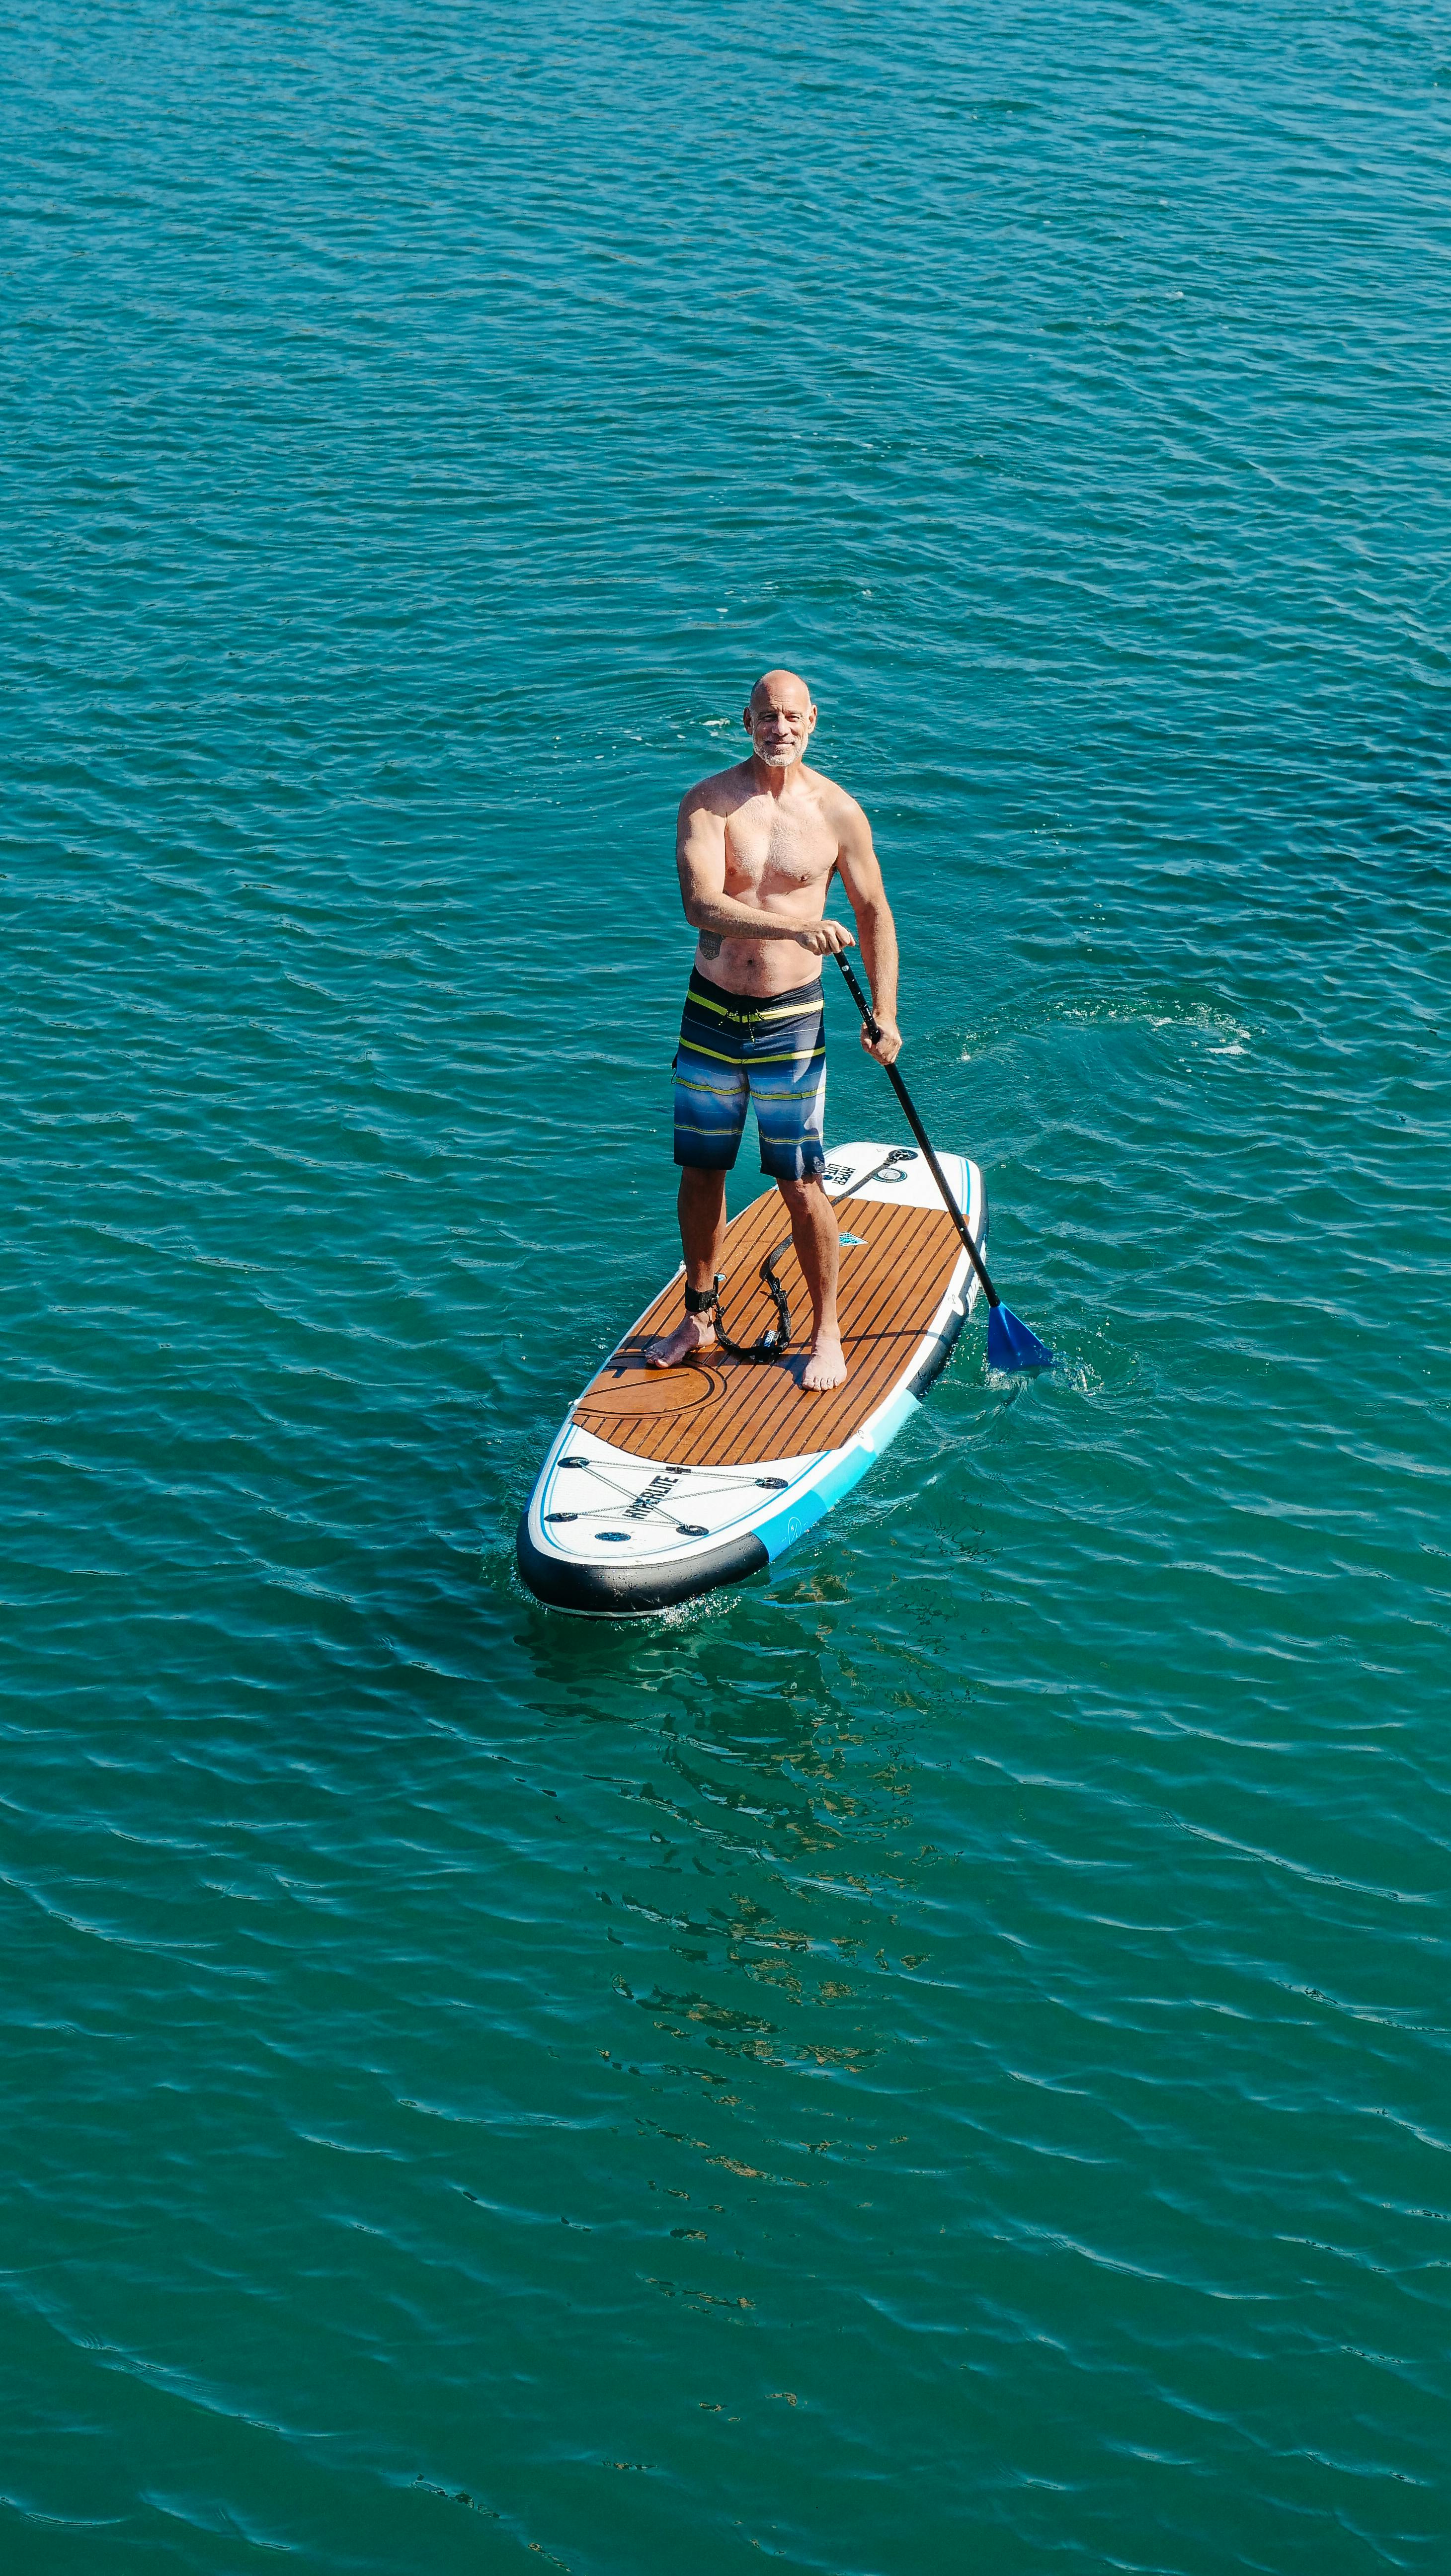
757,847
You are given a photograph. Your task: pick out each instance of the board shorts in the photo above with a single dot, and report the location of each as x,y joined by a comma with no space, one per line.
735,1048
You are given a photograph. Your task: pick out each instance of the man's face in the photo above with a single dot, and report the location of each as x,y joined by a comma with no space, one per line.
779,720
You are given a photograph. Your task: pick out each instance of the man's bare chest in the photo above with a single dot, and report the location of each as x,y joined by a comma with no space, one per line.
770,847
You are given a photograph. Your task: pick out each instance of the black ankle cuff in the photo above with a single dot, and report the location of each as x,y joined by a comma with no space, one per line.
702,1301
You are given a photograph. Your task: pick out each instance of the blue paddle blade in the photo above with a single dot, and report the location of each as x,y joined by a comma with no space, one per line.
1011,1345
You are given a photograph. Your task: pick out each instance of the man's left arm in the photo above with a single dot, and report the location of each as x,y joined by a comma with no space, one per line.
861,875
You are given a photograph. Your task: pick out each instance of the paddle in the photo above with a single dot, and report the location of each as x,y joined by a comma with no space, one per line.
1010,1343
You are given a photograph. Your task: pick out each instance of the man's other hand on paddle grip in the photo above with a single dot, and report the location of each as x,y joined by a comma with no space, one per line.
886,1046
825,938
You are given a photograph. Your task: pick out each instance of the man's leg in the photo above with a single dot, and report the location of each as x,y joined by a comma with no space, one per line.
711,1093
818,1249
787,1066
702,1205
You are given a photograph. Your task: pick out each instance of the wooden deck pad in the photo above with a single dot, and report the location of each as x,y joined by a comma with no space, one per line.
716,1412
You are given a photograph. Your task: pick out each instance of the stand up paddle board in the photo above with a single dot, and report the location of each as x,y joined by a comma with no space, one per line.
664,1483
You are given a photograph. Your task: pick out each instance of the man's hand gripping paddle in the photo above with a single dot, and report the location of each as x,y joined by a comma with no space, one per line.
1010,1344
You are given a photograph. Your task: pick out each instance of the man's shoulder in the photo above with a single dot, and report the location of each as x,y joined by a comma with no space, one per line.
723,789
837,802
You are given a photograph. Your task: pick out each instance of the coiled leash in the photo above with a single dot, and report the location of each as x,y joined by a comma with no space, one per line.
774,1343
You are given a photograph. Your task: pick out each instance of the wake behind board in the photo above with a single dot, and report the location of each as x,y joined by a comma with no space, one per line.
664,1483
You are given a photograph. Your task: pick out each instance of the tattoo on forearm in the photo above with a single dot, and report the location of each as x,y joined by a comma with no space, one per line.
711,944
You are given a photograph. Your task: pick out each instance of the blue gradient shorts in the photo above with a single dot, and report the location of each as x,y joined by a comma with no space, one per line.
735,1047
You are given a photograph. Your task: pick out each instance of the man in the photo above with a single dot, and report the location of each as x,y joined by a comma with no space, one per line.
757,847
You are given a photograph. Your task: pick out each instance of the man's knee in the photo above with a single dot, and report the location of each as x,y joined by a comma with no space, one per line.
803,1194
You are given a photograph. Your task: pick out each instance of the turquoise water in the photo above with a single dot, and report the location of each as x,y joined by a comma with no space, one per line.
934,2061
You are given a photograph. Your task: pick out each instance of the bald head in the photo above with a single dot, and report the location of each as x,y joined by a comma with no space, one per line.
772,682
780,719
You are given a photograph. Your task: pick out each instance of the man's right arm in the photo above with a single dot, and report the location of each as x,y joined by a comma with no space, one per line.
700,858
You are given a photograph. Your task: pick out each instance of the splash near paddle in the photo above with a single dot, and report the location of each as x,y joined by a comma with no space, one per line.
665,1483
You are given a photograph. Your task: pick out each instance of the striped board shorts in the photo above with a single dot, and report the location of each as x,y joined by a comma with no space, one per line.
734,1048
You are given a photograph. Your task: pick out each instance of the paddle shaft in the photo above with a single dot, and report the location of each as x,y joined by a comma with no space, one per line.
920,1132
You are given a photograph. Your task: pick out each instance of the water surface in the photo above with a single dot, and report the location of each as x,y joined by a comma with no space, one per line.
936,2059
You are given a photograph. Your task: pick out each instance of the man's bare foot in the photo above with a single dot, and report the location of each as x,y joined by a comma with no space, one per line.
671,1349
825,1366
